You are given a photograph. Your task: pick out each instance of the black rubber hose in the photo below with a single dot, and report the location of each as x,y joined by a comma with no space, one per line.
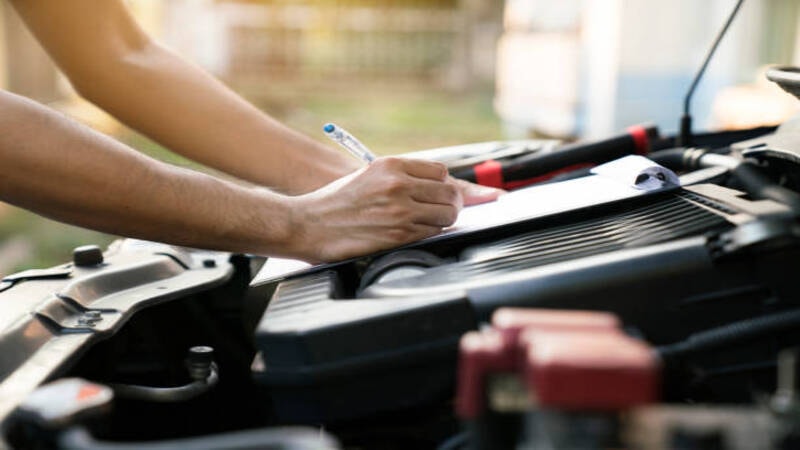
455,442
167,394
672,158
752,180
731,334
760,186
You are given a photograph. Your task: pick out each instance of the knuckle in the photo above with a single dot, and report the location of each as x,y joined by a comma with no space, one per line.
400,235
397,185
438,169
398,214
392,163
442,168
451,193
450,216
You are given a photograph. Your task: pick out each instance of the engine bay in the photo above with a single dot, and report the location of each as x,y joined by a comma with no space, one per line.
688,294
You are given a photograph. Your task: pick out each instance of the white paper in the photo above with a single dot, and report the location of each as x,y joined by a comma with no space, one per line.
278,268
542,200
639,172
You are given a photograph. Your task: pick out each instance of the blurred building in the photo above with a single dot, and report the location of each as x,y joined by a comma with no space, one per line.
567,68
591,68
448,43
26,69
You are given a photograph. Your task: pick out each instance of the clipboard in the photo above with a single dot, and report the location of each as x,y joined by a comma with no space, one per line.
624,178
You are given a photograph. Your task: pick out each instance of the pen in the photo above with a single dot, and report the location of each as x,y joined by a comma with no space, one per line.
349,142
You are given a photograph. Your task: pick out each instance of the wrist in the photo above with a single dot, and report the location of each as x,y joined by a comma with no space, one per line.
323,166
292,235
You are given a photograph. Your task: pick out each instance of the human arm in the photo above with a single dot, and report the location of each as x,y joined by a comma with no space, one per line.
58,168
114,64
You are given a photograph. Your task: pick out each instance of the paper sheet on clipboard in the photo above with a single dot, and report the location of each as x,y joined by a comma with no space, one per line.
618,180
610,182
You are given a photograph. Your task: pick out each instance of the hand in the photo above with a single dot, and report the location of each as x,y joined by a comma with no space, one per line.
474,194
391,202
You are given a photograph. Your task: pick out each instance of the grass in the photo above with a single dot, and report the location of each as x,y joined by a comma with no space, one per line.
30,241
389,119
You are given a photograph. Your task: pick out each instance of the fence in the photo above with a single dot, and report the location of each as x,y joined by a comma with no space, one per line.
298,39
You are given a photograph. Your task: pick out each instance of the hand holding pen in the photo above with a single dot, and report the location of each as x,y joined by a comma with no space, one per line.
472,193
390,202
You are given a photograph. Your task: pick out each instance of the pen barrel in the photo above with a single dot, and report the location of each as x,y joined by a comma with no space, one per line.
349,142
358,149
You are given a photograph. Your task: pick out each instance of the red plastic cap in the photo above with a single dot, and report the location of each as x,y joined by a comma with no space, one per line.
489,173
641,139
513,320
480,354
590,371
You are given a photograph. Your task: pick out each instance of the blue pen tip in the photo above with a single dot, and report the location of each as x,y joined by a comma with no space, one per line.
329,127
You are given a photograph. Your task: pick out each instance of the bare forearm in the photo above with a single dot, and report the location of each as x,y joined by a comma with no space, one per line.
65,171
59,169
115,65
191,113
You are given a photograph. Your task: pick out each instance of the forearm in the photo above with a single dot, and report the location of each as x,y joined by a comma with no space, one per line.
115,65
188,111
68,172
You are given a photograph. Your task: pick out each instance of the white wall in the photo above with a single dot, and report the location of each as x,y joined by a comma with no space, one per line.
635,62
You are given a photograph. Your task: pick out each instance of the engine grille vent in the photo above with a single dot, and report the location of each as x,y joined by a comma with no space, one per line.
673,217
297,296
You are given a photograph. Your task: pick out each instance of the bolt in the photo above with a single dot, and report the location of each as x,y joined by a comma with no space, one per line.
90,318
209,263
85,321
199,362
87,256
785,398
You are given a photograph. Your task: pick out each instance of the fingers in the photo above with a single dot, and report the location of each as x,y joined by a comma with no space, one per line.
391,202
417,168
464,193
474,194
442,193
398,212
434,215
411,233
425,181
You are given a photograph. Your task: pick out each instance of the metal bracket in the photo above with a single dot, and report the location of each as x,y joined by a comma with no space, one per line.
753,233
39,274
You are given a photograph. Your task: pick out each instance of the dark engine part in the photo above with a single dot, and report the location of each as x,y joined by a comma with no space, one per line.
669,266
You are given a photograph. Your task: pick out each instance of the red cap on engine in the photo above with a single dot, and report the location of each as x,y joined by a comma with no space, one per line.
481,353
589,371
513,320
503,349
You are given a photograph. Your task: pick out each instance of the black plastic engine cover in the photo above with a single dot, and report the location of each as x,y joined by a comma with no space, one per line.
330,349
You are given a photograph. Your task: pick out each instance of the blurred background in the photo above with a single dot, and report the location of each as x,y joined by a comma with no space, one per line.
409,75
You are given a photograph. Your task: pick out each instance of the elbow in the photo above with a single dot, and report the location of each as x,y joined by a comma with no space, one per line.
82,87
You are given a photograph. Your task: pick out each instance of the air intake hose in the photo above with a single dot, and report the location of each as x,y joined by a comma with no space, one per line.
731,334
752,180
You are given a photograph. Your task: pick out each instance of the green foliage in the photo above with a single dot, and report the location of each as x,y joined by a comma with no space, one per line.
31,241
392,121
